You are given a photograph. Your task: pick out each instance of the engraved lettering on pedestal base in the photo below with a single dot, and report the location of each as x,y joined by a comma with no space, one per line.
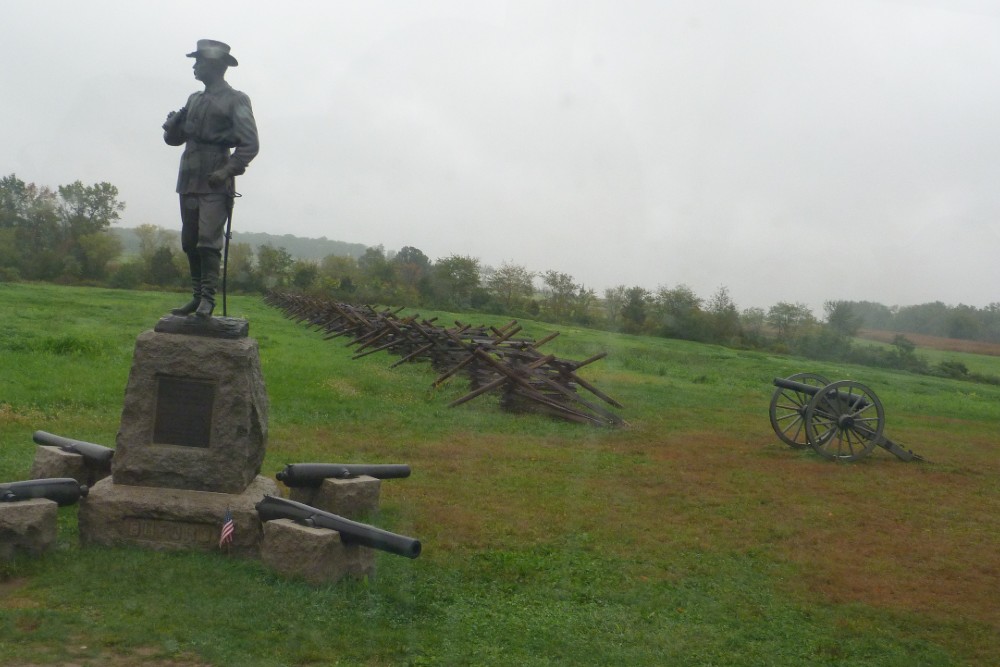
181,533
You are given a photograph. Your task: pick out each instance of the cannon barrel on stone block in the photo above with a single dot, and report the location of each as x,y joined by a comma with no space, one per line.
63,490
313,474
93,454
351,532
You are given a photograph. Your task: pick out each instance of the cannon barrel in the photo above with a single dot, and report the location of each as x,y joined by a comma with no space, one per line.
351,532
853,400
92,453
313,474
63,490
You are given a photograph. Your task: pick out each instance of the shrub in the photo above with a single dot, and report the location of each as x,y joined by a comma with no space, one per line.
128,276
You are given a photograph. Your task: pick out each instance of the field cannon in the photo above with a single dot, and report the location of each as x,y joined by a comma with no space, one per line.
94,455
351,532
62,490
841,421
313,474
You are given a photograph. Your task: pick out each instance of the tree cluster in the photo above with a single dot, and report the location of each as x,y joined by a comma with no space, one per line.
62,235
57,234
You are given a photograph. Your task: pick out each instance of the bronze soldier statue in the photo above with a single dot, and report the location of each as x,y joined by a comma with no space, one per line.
219,134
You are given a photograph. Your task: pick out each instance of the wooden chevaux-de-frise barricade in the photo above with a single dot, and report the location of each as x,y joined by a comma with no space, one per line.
842,421
494,359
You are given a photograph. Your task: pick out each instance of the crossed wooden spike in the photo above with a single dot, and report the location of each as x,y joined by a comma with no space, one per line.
491,358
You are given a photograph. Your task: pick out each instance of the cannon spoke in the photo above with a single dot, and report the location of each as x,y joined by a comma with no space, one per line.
850,437
824,429
791,425
844,421
788,407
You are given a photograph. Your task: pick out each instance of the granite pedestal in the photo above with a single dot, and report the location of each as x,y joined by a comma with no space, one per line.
190,445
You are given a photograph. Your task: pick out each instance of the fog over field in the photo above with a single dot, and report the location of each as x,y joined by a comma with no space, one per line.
792,150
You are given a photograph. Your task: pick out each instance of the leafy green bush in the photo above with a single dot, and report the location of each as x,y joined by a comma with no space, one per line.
128,275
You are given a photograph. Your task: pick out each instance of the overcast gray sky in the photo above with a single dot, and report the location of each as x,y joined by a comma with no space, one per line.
790,150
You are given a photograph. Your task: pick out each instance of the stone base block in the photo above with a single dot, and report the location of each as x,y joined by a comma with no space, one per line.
195,414
172,519
27,527
315,554
353,498
55,462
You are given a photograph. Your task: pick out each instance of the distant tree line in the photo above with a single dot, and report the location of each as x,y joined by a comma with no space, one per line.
63,235
932,319
298,247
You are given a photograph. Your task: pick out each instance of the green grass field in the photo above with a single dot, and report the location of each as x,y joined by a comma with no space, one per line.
984,364
691,537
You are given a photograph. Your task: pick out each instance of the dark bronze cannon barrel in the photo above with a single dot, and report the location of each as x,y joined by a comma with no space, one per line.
313,474
853,400
351,532
63,490
94,454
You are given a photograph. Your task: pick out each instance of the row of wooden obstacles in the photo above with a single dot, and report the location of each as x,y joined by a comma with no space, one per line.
492,358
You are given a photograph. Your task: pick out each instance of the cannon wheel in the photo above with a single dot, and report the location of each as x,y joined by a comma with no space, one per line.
844,421
788,409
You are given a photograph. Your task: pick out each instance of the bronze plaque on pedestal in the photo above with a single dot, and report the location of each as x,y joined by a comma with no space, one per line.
183,412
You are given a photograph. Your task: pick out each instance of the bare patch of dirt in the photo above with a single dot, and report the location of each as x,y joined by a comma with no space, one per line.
934,342
901,536
140,656
10,597
341,387
111,660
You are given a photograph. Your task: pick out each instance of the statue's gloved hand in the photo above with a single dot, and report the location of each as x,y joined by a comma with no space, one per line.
174,117
218,177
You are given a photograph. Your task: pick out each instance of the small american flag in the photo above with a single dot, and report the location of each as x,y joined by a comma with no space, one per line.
228,528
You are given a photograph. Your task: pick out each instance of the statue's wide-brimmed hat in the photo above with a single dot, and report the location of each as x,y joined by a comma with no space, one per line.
214,50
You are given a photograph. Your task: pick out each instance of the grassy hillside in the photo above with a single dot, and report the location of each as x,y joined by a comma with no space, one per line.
297,246
692,537
978,357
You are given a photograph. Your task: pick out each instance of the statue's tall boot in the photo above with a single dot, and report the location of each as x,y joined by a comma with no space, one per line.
211,262
194,261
